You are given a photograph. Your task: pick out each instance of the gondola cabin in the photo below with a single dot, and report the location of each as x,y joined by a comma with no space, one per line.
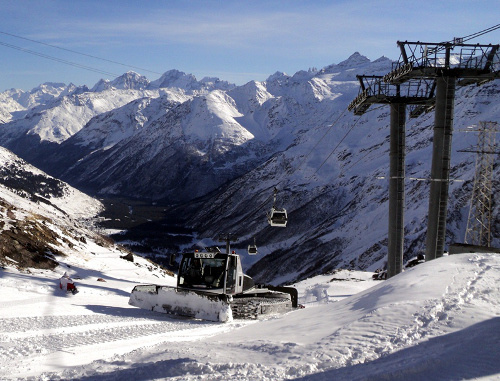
277,217
252,250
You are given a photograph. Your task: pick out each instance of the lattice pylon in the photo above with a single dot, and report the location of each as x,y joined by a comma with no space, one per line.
478,230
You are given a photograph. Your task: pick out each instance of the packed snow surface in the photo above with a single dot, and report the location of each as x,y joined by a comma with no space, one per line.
438,320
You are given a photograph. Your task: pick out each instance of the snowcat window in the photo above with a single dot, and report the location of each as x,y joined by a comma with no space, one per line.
190,272
202,272
213,272
231,275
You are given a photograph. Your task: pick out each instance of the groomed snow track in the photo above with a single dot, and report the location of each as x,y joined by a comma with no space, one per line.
34,336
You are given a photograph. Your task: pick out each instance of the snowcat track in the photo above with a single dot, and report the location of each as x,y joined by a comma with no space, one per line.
252,308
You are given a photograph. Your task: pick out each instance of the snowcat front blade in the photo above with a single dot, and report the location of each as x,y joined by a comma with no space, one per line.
181,302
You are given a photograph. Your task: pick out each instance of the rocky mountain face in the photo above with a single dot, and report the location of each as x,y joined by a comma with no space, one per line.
214,152
41,217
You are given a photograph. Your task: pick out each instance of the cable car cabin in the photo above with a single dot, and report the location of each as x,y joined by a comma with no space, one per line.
277,217
252,249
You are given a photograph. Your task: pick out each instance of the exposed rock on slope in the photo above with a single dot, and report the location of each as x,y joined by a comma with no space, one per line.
38,216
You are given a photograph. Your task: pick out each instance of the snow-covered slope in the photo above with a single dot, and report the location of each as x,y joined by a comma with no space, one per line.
55,112
439,320
40,216
8,106
14,104
183,149
20,180
64,116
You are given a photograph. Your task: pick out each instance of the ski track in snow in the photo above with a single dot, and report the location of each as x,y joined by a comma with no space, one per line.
22,337
372,337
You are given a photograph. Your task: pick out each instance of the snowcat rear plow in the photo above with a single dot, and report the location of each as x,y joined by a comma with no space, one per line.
211,286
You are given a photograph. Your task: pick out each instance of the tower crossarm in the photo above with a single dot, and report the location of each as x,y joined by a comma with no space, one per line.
470,63
373,90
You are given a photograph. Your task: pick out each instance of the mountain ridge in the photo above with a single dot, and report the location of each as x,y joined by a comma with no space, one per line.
215,155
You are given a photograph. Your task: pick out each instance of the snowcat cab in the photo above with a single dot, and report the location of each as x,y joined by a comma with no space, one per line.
213,272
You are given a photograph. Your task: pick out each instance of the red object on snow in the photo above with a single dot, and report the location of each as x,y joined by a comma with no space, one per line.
66,283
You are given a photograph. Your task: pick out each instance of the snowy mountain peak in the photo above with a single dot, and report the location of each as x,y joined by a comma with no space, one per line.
101,85
42,94
304,75
72,89
188,82
356,59
176,78
277,76
216,83
130,81
50,86
383,59
127,81
13,93
250,96
213,118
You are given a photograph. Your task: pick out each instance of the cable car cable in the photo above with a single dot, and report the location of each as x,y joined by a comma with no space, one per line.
344,171
80,53
335,148
60,60
481,33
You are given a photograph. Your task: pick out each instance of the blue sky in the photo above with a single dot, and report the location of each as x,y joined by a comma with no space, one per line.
237,41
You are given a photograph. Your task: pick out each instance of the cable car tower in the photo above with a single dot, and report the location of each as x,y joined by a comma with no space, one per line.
478,230
447,64
420,95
